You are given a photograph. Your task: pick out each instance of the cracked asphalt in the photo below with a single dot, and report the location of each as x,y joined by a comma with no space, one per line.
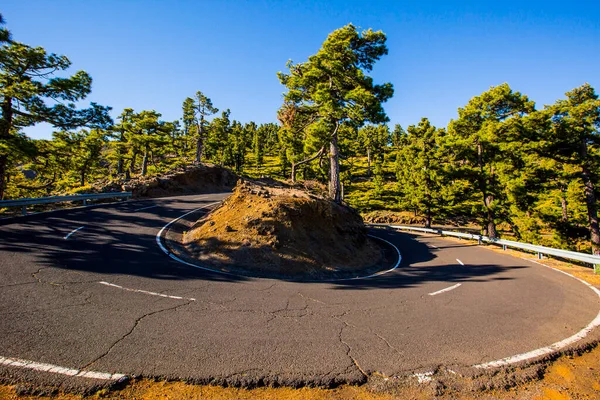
247,331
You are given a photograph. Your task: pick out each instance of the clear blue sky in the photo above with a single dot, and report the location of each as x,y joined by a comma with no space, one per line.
154,54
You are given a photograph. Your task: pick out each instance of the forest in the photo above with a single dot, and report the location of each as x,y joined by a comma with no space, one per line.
504,164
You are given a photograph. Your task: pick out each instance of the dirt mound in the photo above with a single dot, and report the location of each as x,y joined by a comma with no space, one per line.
204,178
283,232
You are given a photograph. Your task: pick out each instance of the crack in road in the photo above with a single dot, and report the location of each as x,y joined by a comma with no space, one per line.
386,342
311,299
348,347
135,325
34,275
267,288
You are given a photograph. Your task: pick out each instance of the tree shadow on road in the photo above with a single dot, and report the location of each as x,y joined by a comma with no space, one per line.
115,239
420,264
120,240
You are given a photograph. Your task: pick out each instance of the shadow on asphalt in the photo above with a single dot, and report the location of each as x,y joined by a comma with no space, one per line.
109,245
419,266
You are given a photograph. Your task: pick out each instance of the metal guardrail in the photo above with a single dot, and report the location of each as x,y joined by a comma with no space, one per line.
540,250
59,199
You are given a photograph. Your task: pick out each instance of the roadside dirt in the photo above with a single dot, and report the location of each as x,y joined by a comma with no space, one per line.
568,378
283,232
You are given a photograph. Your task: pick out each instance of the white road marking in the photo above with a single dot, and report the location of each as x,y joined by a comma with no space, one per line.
146,292
445,290
434,246
159,234
144,208
553,347
381,272
460,262
73,231
19,363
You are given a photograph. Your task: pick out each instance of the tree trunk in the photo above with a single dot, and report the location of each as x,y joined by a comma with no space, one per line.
563,205
592,209
294,172
487,198
132,165
82,178
491,225
368,161
3,180
5,125
120,162
200,141
428,219
295,165
145,162
334,169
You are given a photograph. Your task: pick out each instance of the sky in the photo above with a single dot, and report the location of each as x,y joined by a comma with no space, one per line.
153,54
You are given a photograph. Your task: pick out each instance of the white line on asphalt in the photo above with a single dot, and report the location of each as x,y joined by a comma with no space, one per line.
460,262
19,363
159,234
555,346
73,231
381,272
445,290
434,246
146,292
144,208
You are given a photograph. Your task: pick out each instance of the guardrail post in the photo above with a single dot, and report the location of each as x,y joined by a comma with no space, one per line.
504,247
24,210
85,202
540,256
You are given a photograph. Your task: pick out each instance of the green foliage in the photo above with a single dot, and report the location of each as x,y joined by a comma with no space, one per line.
31,93
420,171
481,142
332,90
195,114
571,139
4,33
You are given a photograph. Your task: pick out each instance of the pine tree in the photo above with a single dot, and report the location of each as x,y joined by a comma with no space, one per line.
333,88
29,95
218,139
196,111
420,170
574,141
373,140
82,149
478,139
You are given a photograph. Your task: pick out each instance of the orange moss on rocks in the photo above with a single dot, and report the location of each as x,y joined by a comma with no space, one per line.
281,231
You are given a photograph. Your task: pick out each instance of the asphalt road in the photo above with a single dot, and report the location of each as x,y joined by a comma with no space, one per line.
90,290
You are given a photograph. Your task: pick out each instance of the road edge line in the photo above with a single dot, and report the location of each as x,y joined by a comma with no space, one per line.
554,347
56,369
